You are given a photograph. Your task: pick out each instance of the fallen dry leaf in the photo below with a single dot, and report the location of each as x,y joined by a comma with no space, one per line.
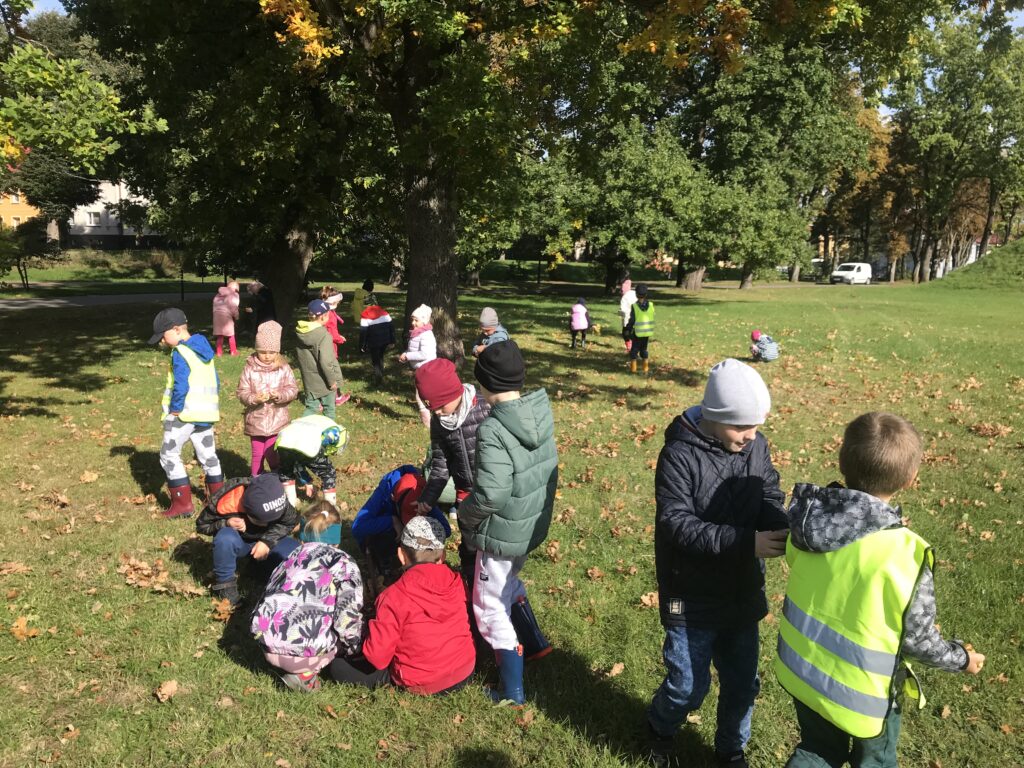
526,719
222,609
946,712
10,568
649,600
21,630
459,718
616,670
225,701
282,763
88,476
166,691
594,573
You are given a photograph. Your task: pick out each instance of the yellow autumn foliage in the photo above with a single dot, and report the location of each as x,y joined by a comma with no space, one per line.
303,24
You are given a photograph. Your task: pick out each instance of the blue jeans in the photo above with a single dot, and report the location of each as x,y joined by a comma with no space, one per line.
228,546
688,654
823,745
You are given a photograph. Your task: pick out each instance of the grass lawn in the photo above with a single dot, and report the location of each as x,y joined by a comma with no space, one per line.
80,488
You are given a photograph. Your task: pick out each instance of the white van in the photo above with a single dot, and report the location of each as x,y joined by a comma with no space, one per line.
852,273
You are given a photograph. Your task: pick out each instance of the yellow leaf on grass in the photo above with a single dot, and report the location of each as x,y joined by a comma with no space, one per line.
166,691
21,630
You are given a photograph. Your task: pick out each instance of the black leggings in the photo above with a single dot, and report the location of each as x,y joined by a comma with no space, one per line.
583,335
358,671
639,348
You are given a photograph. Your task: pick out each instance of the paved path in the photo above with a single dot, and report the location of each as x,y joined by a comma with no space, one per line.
62,302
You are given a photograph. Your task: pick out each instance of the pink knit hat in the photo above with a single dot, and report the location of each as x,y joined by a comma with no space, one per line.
268,337
755,335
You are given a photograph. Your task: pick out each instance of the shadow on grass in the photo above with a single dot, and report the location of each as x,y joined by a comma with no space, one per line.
565,687
481,757
149,475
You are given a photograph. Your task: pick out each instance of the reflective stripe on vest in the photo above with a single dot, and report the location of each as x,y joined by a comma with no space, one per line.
305,435
643,323
842,626
202,403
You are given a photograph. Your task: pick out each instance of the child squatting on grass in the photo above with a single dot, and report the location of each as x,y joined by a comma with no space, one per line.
859,601
266,387
305,447
191,406
248,517
419,638
311,609
719,512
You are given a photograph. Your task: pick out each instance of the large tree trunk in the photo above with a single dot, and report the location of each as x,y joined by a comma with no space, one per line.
794,272
432,268
926,262
287,274
397,271
747,276
473,278
691,279
893,263
990,217
1008,229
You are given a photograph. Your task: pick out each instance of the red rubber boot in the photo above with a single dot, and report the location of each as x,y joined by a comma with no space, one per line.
181,501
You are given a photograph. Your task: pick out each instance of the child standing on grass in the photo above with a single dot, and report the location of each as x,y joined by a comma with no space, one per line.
419,638
362,298
859,601
332,298
491,331
422,349
580,322
265,388
764,349
191,407
311,608
719,512
225,313
625,306
508,512
376,334
640,328
248,517
321,374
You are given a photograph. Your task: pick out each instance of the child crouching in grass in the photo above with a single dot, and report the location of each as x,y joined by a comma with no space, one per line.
311,608
419,638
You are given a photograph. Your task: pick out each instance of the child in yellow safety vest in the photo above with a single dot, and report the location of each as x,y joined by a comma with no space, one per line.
190,409
640,328
859,601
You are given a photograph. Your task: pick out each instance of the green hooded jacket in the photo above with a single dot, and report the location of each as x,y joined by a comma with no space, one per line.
509,509
317,363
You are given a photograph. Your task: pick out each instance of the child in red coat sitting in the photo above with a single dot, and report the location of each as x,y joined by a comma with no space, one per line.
419,639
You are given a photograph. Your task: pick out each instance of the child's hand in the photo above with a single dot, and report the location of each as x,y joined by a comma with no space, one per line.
402,357
975,661
341,339
259,551
770,543
237,523
307,490
271,397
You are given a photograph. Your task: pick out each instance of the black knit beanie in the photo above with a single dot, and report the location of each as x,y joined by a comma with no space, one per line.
500,368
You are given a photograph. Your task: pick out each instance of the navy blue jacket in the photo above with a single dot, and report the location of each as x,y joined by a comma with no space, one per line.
710,504
377,514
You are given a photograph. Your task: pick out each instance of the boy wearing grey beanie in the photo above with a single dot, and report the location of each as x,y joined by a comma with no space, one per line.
719,513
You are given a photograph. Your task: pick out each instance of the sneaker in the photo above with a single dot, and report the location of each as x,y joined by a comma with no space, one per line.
659,749
302,683
342,399
732,759
228,591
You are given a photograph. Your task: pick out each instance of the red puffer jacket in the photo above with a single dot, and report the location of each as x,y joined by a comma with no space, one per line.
421,631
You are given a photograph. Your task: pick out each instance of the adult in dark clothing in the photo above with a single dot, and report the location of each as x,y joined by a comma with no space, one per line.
261,304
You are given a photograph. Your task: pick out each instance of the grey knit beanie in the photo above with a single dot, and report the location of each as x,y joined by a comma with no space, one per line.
488,318
736,395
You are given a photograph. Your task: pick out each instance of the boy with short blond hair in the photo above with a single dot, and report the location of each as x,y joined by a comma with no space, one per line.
860,599
191,407
719,513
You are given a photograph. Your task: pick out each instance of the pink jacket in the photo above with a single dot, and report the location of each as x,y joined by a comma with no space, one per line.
225,311
580,318
265,419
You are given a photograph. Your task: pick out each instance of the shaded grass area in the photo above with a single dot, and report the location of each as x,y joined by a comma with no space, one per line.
79,394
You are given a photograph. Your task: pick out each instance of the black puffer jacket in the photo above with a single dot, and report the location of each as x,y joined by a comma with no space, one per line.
227,502
710,504
453,452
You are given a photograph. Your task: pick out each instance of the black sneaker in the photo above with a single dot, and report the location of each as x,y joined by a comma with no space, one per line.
228,591
659,749
732,760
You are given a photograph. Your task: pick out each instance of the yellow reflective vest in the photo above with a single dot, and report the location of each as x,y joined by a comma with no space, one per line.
305,435
842,627
643,320
202,403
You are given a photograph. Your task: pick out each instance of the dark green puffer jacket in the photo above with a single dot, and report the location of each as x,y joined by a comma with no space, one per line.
509,509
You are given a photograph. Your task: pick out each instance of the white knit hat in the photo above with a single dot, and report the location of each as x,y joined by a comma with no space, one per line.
422,313
736,395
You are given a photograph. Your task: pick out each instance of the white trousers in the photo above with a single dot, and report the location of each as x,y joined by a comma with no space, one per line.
496,587
176,433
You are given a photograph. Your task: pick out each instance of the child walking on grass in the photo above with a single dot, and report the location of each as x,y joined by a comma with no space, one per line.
266,387
580,322
719,512
225,313
191,406
311,609
860,602
422,349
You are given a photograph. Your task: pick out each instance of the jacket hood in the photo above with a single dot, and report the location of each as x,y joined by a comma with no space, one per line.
529,418
436,589
824,519
306,330
198,344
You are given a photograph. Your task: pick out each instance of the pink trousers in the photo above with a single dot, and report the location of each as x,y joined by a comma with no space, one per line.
231,345
263,448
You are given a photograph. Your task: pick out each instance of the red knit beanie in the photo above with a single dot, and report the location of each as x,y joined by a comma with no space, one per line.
406,493
438,383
